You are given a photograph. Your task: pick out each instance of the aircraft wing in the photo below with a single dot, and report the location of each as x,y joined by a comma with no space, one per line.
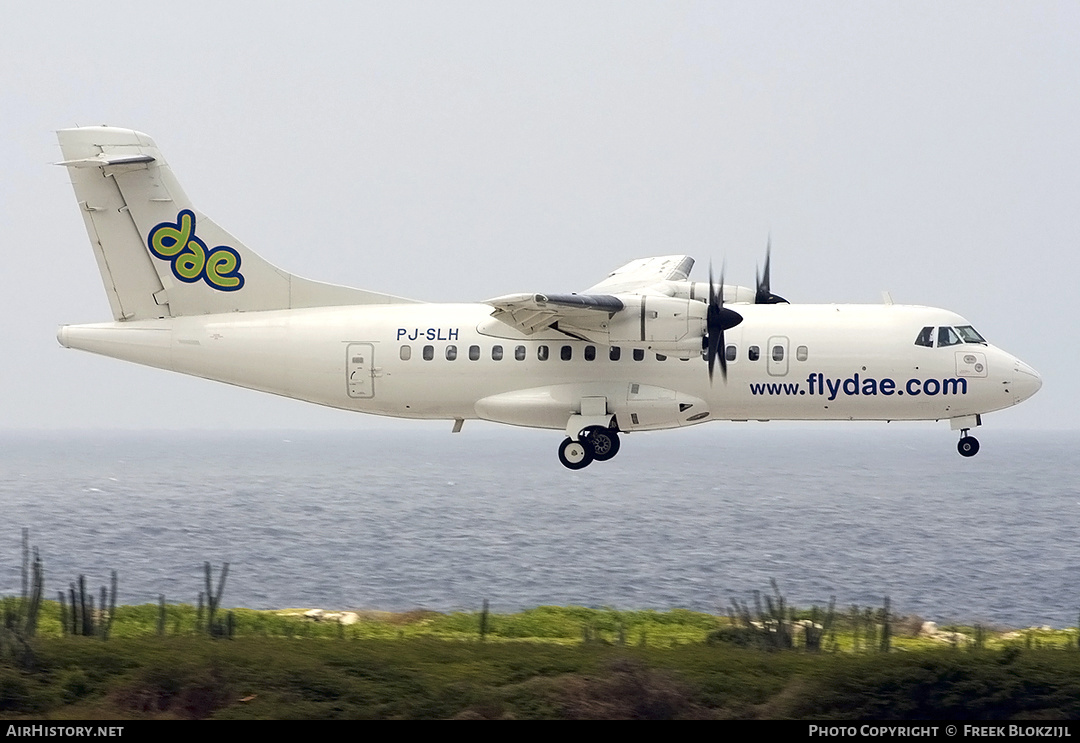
592,308
530,313
641,274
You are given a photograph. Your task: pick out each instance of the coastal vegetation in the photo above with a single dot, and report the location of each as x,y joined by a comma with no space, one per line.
74,658
547,662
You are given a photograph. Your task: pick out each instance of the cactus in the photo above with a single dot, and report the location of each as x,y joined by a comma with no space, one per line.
772,629
64,626
814,632
110,614
886,628
85,619
21,616
216,629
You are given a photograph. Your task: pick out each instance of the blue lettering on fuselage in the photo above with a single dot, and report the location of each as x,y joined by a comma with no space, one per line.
819,384
431,334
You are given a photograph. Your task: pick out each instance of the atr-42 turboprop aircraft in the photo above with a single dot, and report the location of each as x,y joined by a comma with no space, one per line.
635,352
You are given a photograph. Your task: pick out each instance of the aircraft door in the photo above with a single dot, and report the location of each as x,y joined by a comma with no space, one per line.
778,355
360,369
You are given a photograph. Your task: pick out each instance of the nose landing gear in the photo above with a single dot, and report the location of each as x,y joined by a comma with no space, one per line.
968,445
594,443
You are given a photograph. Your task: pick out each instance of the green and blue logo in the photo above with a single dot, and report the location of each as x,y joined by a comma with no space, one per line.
190,258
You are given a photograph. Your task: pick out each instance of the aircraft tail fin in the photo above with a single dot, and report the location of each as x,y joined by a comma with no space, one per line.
161,257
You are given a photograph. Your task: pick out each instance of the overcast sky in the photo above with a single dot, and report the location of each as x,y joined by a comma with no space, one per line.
459,151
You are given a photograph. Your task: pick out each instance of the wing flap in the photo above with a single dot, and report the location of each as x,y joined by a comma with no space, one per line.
531,313
591,309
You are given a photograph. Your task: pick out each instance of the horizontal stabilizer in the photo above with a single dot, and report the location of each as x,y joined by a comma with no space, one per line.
101,160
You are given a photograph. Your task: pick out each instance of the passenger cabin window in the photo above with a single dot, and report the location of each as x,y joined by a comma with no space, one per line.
946,336
614,353
590,353
429,353
639,354
730,352
801,353
474,353
519,353
496,353
451,353
542,353
661,357
925,337
753,353
406,353
777,353
566,353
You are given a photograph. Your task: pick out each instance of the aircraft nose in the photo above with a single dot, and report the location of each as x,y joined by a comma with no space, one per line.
1027,381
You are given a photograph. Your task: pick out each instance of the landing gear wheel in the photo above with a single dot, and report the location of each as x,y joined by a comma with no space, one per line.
604,441
968,446
575,455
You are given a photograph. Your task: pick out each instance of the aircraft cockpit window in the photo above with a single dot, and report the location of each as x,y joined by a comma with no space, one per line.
730,353
451,353
639,354
590,353
566,353
429,353
777,353
614,353
519,353
969,334
925,337
946,336
496,353
542,353
406,353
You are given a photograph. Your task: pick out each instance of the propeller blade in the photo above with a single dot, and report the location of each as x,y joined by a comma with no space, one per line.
710,324
718,319
764,294
720,348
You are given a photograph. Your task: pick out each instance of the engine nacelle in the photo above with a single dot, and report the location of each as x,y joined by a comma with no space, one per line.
699,291
667,325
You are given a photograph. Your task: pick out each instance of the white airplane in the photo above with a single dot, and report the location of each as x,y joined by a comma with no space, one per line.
635,352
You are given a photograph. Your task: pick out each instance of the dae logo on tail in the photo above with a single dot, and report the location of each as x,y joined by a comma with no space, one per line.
190,258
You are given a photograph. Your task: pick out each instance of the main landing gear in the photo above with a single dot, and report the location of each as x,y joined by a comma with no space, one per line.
968,446
594,443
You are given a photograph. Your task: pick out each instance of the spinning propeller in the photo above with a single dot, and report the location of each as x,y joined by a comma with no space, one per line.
717,320
764,294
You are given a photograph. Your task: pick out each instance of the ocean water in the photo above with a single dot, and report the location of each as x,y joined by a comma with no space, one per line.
403,518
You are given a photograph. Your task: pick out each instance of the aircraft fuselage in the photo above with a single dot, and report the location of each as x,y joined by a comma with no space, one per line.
447,361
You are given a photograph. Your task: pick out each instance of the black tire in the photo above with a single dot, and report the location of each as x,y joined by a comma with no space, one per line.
604,441
968,446
575,455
